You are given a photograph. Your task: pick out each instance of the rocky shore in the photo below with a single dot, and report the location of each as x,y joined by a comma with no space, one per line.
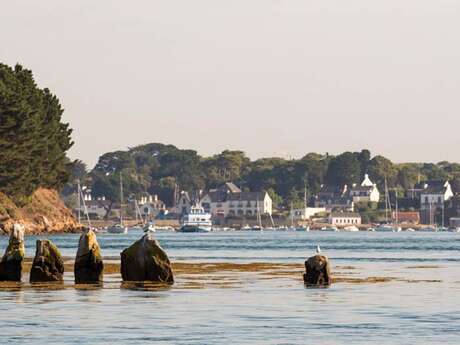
44,213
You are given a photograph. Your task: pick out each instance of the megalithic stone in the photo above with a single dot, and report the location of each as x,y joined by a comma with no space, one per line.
12,260
48,265
145,260
317,271
88,266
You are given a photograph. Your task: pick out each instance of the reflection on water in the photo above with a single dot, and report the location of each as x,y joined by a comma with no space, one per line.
247,288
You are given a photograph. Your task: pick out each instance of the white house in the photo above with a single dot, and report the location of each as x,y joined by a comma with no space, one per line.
306,213
184,203
435,193
366,192
150,206
229,200
344,219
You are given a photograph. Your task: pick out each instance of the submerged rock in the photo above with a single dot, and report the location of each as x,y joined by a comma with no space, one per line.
317,271
88,266
145,260
48,265
11,263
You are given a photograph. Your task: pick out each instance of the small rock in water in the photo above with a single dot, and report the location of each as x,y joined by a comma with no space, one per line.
11,263
145,260
88,262
317,271
48,265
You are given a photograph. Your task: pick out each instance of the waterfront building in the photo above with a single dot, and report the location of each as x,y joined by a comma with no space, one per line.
433,197
229,200
305,213
150,206
344,218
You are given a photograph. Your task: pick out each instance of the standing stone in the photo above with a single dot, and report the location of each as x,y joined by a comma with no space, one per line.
88,262
145,260
11,263
317,271
48,265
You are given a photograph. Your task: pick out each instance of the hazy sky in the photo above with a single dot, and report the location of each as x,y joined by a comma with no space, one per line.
270,77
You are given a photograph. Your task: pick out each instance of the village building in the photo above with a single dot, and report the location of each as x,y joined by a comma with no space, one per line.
150,206
433,197
183,204
344,218
366,192
407,217
229,200
334,198
306,213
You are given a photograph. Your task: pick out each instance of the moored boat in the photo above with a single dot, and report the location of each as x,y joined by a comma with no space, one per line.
196,221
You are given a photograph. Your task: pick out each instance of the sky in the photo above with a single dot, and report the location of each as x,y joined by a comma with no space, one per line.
269,77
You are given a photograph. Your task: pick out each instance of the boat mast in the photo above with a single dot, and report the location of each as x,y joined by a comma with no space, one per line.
292,216
79,201
259,216
396,208
121,199
386,201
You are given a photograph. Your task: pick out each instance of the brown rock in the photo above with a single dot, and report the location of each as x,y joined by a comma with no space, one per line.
88,266
145,260
48,265
317,271
11,263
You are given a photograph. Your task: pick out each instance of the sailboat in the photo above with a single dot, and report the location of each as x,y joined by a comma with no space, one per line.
259,219
119,228
292,227
81,200
388,227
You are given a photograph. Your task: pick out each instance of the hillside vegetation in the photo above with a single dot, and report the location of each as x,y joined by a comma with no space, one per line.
163,169
33,162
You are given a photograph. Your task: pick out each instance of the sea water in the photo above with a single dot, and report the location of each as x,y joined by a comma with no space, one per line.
420,306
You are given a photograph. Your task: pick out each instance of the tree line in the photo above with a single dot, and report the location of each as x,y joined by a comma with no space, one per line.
33,138
163,169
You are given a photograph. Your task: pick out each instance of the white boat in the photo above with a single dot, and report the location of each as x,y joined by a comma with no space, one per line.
329,228
246,228
428,229
350,228
387,228
409,230
453,229
303,228
119,228
196,221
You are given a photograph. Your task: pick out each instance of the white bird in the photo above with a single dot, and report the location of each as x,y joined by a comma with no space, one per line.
318,249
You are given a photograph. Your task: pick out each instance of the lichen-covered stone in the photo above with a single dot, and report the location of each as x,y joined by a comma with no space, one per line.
88,266
317,271
48,265
145,260
11,263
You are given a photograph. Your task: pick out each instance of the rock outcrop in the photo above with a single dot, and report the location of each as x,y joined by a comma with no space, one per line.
88,266
11,263
145,260
48,265
43,213
317,271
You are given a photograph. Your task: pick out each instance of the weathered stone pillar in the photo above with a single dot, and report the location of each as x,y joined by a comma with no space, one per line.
145,260
88,262
317,271
48,265
11,263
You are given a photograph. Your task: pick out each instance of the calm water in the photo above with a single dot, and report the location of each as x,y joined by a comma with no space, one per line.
272,311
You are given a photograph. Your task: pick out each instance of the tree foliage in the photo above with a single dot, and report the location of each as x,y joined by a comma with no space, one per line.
33,139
